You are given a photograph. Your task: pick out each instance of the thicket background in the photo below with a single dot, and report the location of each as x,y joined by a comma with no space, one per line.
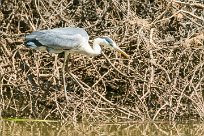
162,80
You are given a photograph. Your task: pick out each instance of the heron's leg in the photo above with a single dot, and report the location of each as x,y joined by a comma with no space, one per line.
56,70
64,74
67,62
63,70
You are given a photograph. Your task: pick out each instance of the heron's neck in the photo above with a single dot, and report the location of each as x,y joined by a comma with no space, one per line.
96,50
96,46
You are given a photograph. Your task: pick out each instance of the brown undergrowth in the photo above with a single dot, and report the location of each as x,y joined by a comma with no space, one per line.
162,80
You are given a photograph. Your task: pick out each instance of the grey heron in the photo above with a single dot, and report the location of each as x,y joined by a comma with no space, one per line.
68,40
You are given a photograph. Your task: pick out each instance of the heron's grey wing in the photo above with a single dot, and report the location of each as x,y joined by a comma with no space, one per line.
54,40
71,31
59,31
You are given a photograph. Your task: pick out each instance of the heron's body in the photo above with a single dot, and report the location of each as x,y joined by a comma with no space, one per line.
68,40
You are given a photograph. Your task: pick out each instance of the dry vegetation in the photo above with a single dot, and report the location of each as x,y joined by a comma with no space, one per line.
163,79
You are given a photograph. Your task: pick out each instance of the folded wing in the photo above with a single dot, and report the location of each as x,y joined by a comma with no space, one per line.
57,40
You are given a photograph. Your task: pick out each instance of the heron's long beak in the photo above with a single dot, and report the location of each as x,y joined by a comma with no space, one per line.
122,52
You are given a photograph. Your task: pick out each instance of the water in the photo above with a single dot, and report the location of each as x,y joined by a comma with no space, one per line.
29,128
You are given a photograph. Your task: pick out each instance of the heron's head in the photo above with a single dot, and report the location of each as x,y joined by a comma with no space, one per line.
108,42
